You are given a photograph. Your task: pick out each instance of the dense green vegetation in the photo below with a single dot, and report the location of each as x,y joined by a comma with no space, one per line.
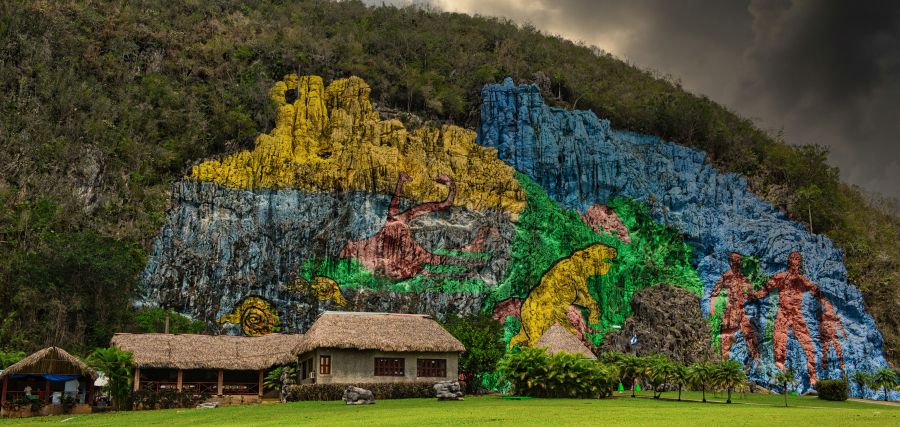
748,410
105,103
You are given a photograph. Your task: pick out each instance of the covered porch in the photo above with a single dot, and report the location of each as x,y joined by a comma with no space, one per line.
212,382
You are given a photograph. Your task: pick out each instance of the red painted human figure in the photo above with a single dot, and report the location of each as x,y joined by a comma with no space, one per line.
791,285
738,288
393,251
829,326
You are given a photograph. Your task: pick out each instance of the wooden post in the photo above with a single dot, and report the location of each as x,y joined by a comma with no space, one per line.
89,396
137,379
47,391
3,396
261,382
180,377
219,387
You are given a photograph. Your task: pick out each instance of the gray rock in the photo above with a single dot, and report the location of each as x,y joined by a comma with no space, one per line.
448,390
358,396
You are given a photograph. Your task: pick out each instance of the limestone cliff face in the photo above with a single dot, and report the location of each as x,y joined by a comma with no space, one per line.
551,218
581,161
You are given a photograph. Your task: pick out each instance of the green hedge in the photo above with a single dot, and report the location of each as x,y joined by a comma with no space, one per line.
833,390
380,390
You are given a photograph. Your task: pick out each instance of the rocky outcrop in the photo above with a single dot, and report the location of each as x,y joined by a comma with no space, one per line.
664,320
581,162
330,139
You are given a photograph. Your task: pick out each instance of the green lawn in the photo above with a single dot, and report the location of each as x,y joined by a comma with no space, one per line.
747,410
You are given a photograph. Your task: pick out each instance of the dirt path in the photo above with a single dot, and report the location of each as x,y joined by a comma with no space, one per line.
877,402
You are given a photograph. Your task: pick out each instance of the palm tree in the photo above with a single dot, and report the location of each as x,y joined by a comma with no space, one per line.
661,371
680,377
632,367
785,378
861,379
730,374
116,364
614,361
700,376
884,378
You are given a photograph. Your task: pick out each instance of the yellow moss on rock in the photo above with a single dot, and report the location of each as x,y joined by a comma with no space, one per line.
331,139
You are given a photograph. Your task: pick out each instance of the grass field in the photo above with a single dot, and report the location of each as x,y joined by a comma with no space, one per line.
764,410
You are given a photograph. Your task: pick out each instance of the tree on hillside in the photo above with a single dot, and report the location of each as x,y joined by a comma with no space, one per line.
785,379
9,358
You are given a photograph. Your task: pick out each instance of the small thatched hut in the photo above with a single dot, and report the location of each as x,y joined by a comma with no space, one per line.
558,339
345,347
216,365
48,375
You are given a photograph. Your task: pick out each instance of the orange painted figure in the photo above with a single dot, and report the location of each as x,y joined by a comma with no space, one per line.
738,288
791,285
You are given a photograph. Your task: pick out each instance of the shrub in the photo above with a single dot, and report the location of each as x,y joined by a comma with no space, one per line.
833,390
165,399
532,372
300,392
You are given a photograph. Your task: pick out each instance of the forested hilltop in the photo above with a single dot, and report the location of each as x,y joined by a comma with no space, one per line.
105,104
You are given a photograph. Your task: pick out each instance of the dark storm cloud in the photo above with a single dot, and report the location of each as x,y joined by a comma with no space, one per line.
826,72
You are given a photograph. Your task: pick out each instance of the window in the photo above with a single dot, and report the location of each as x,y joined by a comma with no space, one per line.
325,365
431,368
388,367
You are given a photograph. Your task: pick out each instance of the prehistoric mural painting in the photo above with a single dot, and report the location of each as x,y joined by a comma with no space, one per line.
542,216
255,315
324,289
791,286
395,253
738,289
563,285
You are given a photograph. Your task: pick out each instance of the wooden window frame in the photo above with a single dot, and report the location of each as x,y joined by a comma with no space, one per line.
431,368
390,367
325,364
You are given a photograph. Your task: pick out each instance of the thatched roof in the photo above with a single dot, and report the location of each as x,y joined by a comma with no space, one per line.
558,339
378,331
51,360
191,351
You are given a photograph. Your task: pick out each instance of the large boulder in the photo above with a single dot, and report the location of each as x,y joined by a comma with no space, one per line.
448,390
665,320
358,396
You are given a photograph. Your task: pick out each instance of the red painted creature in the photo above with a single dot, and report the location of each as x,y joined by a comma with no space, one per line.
393,252
738,288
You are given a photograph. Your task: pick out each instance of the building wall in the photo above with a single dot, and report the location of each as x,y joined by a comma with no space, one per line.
358,366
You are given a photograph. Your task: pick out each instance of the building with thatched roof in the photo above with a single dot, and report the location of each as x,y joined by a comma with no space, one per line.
215,365
48,375
558,339
345,347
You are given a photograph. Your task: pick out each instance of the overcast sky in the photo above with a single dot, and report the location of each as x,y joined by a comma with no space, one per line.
826,72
